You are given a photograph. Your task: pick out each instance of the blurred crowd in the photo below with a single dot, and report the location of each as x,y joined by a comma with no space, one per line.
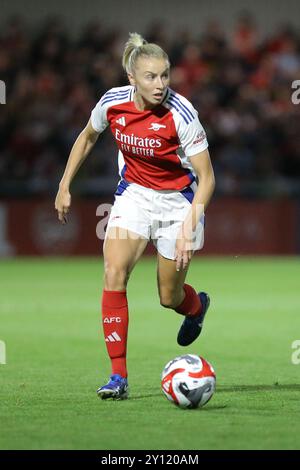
240,83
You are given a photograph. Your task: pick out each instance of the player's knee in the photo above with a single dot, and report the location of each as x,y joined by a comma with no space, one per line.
168,299
115,277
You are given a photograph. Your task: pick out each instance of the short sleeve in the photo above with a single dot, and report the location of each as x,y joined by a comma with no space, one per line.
192,136
99,117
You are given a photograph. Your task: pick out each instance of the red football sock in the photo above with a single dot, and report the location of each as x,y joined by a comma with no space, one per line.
191,304
115,327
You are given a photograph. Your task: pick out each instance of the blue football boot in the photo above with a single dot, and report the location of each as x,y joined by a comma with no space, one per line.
116,388
192,326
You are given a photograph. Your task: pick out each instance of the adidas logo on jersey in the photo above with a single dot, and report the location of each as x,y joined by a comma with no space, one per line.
113,337
155,126
121,121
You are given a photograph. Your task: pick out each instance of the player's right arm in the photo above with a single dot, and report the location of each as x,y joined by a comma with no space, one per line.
80,150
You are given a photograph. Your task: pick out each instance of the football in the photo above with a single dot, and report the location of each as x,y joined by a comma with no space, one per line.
188,381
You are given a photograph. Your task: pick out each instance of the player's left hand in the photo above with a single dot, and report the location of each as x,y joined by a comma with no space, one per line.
183,250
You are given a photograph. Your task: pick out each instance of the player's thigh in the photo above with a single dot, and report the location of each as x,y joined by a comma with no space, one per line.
122,249
170,282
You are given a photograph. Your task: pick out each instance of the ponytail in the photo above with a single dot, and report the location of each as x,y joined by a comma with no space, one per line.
137,46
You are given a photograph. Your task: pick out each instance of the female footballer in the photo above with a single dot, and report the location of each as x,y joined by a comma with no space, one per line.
166,182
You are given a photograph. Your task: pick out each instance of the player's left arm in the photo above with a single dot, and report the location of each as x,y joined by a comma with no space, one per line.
202,166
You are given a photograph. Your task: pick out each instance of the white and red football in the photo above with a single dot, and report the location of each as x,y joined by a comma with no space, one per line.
188,381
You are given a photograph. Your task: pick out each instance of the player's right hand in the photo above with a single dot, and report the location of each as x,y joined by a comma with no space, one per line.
62,204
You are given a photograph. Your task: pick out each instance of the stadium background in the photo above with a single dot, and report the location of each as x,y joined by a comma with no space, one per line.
236,61
237,68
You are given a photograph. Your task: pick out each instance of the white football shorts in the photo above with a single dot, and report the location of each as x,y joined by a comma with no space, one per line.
155,215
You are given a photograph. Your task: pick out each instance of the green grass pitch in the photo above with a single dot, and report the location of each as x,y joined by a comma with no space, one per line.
56,358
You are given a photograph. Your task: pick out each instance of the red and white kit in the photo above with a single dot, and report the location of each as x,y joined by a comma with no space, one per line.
157,180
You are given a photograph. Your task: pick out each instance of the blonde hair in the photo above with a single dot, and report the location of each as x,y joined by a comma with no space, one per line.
137,46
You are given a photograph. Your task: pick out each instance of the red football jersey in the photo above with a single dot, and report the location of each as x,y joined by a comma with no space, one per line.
154,145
